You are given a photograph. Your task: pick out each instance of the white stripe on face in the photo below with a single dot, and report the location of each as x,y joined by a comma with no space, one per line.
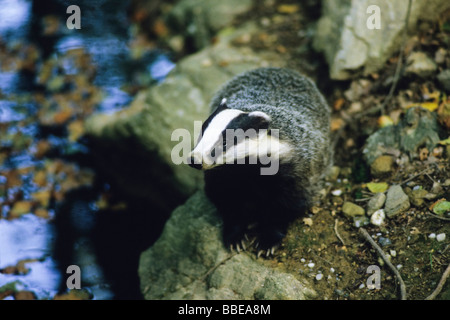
212,134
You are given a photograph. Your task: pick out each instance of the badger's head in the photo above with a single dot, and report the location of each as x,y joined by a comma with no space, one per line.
231,136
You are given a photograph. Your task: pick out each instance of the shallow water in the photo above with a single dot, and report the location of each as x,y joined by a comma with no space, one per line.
27,119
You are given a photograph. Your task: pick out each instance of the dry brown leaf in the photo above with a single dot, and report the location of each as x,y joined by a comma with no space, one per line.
288,8
19,208
76,130
42,147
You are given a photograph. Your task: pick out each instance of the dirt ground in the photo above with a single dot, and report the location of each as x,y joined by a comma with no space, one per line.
339,267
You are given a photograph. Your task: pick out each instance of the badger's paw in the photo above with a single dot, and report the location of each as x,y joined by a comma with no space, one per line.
268,242
237,238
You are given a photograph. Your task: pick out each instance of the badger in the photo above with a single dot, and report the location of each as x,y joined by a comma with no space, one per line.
264,118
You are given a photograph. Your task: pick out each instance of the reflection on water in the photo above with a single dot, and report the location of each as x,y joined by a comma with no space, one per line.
33,115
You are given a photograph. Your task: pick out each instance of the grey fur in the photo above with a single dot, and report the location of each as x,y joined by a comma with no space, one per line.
296,108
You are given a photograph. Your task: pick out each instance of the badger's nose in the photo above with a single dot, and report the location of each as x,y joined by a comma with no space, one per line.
192,161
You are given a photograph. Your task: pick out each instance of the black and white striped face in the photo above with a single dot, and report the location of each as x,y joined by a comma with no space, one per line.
231,136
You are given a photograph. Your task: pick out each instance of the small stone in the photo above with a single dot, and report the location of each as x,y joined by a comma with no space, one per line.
352,210
333,173
378,217
440,237
417,197
393,253
337,192
311,265
319,276
420,64
396,201
432,235
439,56
444,79
308,221
376,203
384,241
382,166
360,221
399,266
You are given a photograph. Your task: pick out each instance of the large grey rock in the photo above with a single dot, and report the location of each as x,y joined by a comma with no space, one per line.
396,201
416,129
134,145
351,48
189,261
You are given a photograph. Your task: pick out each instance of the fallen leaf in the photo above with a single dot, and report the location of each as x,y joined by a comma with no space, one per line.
423,154
376,187
160,28
288,8
62,116
42,213
337,105
445,142
19,208
24,295
430,106
336,124
42,197
42,147
76,130
440,207
74,295
40,178
385,121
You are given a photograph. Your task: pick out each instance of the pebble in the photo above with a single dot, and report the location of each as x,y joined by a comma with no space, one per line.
399,266
378,217
352,210
444,79
384,241
319,276
311,265
376,203
360,221
417,196
396,201
393,253
337,192
440,237
432,235
420,64
382,166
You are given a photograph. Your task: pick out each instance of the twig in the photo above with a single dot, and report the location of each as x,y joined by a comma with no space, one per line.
337,233
366,236
436,216
440,284
415,176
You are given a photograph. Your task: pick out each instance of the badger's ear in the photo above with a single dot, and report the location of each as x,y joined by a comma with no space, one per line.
259,120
